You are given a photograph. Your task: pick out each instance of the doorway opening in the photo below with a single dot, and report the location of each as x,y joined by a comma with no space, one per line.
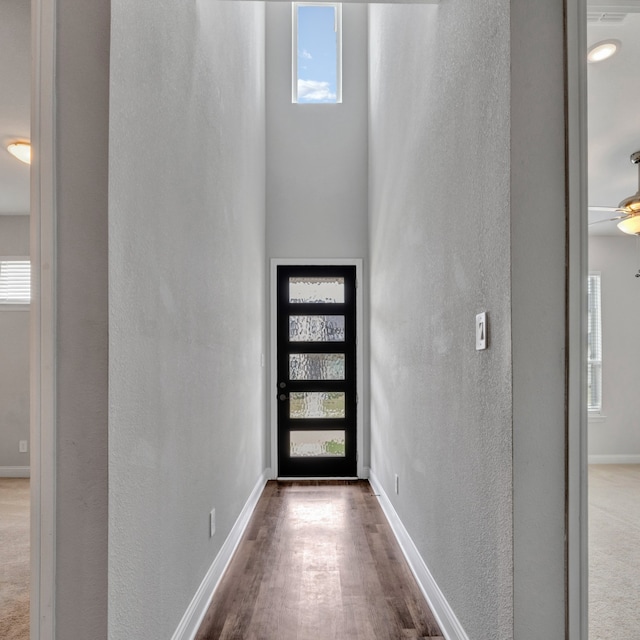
316,364
317,430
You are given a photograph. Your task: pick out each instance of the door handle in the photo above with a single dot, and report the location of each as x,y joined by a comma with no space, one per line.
283,396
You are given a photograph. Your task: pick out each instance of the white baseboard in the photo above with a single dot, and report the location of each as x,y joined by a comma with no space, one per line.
449,623
196,610
365,473
15,472
614,459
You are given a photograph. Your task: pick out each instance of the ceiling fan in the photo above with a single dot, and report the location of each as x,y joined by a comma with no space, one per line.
628,209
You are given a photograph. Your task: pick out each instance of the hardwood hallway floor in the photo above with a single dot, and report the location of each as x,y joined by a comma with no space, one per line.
318,562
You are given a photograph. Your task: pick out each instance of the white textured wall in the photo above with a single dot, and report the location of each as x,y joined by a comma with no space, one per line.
447,125
14,355
187,297
441,411
618,260
14,235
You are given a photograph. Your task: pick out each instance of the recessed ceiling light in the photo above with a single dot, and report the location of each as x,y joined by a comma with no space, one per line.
602,50
20,149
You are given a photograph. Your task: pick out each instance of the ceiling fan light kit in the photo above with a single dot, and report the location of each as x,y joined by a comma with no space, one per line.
630,225
631,205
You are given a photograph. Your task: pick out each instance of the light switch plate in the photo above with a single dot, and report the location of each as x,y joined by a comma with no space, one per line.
481,331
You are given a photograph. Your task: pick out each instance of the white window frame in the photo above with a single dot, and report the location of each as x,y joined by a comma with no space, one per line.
8,304
294,49
594,365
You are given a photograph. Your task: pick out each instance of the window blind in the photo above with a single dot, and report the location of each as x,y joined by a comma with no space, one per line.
15,281
594,343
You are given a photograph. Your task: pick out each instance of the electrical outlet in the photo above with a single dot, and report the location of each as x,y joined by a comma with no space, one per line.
22,446
397,483
212,523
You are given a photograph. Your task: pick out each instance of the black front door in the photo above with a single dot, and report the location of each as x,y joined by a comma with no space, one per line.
316,385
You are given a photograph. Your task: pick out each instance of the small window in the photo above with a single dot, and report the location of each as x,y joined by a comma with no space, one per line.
317,53
15,281
594,344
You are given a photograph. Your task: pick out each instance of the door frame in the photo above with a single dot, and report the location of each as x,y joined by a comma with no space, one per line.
576,423
273,350
43,358
43,321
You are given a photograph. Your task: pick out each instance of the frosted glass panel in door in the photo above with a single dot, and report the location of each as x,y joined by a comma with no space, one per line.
316,366
315,404
314,289
317,444
316,328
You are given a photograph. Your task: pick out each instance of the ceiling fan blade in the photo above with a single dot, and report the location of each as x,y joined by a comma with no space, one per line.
616,219
605,209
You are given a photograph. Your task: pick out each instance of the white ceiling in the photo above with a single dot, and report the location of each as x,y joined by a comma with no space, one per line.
614,107
14,103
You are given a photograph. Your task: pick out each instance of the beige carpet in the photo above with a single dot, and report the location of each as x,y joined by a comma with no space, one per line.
14,559
614,552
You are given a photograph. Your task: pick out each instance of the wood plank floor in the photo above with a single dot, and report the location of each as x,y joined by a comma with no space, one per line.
318,562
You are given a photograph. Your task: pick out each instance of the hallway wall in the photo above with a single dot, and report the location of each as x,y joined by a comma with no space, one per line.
316,153
14,355
459,139
441,411
617,259
187,297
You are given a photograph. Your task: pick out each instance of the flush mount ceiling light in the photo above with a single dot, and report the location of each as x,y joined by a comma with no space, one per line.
20,149
602,50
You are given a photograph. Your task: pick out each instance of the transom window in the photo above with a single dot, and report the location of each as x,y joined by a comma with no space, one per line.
317,53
